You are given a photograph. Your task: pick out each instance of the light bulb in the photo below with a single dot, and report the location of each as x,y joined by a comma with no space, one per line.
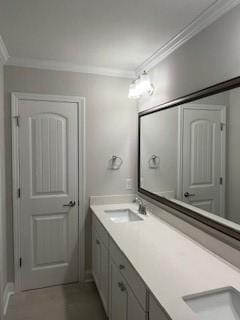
146,85
138,85
133,91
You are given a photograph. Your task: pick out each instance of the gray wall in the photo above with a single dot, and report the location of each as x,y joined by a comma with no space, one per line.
3,266
233,158
209,58
111,128
221,99
159,136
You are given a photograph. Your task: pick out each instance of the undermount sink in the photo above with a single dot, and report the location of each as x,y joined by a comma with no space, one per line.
222,304
122,215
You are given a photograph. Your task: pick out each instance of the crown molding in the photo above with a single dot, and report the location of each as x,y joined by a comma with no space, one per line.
64,66
207,17
4,56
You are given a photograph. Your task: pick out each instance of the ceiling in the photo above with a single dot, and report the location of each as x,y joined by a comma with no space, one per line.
115,34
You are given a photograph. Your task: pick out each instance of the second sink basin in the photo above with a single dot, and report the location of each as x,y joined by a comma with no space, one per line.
123,215
223,304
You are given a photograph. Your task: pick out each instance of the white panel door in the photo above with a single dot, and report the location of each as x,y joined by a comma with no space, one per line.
203,161
48,147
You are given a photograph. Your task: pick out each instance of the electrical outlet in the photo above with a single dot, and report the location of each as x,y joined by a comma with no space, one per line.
129,184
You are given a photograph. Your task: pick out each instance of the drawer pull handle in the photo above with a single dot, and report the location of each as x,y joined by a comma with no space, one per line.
121,286
97,242
121,267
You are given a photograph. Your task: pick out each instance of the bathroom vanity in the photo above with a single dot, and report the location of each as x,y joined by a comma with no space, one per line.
146,269
123,292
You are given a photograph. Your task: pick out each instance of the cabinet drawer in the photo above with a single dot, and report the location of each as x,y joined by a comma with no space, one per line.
156,312
102,233
131,276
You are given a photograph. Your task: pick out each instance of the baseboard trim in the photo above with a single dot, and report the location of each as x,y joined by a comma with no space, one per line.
8,291
88,276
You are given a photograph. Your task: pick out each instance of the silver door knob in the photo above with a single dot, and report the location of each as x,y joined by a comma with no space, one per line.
187,194
70,204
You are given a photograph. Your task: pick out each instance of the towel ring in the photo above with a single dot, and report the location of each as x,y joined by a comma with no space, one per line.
115,162
154,162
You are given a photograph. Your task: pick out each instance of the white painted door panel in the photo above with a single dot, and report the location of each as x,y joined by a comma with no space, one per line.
202,158
48,143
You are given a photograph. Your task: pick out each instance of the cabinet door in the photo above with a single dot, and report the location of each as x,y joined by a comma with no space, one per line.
96,259
104,275
123,303
94,253
118,295
155,311
100,266
135,311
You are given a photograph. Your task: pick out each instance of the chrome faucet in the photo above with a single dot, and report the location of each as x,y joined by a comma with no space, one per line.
141,207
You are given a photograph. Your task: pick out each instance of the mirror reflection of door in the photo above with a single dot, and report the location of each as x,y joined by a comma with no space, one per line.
201,165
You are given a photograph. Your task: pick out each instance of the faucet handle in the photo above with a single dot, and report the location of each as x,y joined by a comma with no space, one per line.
143,210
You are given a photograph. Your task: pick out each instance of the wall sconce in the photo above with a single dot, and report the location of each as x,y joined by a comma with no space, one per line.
141,87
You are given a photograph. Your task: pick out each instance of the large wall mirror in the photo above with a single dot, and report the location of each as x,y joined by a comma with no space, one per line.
189,155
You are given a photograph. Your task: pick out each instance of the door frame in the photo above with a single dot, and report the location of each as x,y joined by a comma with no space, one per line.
193,105
81,101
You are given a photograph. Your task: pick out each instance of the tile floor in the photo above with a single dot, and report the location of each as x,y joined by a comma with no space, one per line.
68,302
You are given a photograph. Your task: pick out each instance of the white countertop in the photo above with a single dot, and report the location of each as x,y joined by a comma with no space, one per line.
170,263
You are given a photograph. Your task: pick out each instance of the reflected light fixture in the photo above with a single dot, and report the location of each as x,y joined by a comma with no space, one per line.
141,87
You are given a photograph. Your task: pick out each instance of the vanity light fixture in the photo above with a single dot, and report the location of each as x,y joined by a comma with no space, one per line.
141,87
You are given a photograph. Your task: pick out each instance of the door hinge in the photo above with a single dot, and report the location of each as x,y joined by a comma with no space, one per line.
20,262
222,126
17,121
221,180
19,193
78,203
